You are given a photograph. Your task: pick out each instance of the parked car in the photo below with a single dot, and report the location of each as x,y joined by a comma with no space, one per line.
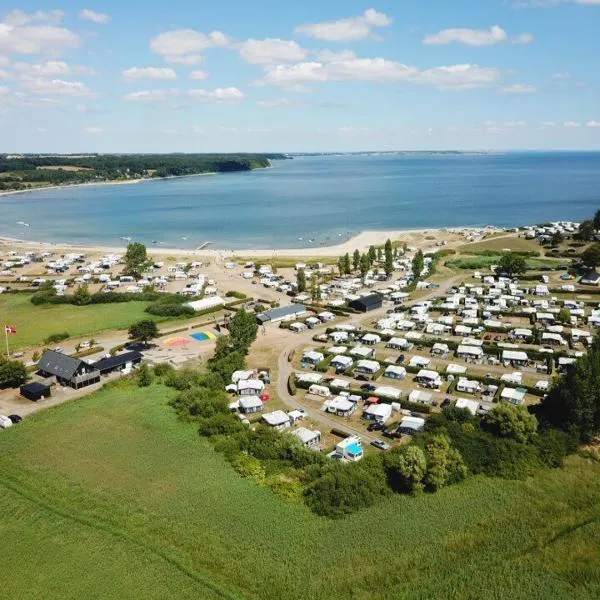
446,402
368,387
15,419
376,427
392,433
380,444
5,422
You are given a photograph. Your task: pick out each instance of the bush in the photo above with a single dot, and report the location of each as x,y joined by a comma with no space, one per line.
56,337
234,294
164,309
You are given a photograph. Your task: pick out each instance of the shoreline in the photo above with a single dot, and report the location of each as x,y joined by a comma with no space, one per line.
360,241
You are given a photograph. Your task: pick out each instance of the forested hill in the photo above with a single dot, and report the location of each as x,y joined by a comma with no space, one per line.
20,172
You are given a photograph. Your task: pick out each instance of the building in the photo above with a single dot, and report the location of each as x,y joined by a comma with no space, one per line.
514,358
350,449
205,303
366,303
592,278
120,362
467,386
410,425
428,378
311,357
380,413
341,362
283,313
310,438
250,405
388,392
278,420
420,397
35,391
341,406
395,372
367,367
471,405
69,371
469,352
250,387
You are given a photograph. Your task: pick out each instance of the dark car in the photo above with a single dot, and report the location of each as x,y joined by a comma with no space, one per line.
368,387
15,419
376,427
446,402
401,358
391,433
380,444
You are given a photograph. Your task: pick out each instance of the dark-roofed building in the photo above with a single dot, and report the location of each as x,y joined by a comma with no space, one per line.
366,303
35,391
70,371
591,278
120,362
293,311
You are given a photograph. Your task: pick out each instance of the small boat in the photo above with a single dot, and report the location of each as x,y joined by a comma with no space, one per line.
126,239
154,241
23,223
184,238
300,239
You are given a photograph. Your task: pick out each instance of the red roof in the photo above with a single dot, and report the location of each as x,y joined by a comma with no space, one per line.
373,400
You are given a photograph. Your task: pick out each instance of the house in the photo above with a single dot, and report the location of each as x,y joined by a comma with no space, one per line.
282,313
440,349
379,413
521,334
338,337
430,379
397,343
312,322
252,387
35,391
326,316
370,339
471,405
514,378
395,372
319,390
312,358
341,362
250,405
69,371
350,449
119,362
553,339
277,419
366,303
466,386
410,425
362,352
469,352
514,358
564,362
592,278
308,437
514,396
206,303
341,406
419,361
387,391
420,397
308,377
367,367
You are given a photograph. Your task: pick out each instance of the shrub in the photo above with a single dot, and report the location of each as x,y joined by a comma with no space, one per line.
164,309
57,337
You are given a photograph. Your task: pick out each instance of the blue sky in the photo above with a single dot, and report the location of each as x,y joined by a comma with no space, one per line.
267,75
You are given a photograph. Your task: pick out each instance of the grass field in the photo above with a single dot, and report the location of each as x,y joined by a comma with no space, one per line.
484,262
515,243
110,496
36,323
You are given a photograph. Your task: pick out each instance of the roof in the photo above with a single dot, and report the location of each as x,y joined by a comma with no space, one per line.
59,364
306,435
250,402
105,364
367,301
34,388
281,312
277,417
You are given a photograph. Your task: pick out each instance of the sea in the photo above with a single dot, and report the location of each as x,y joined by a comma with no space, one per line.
314,201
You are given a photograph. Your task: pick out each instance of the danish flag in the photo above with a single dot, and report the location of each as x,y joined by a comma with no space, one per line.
10,329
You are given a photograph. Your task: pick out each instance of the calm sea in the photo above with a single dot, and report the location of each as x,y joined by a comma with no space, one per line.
313,201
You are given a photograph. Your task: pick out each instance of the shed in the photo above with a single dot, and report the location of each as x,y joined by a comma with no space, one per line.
410,425
282,313
35,391
366,303
380,413
277,419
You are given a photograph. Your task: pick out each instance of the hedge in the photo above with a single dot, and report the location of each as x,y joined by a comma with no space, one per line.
88,352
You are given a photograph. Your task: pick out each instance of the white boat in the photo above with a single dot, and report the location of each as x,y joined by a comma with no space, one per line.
127,239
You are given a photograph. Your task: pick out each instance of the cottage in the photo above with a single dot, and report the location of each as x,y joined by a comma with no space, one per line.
326,316
453,369
312,322
69,371
350,449
250,405
277,419
252,387
298,327
282,313
311,357
467,386
206,303
338,337
366,303
341,406
367,367
341,362
471,405
35,391
591,278
388,392
309,378
553,339
419,361
469,352
514,378
395,372
514,358
370,339
397,343
514,396
362,352
310,438
430,379
379,413
411,425
440,349
564,362
521,334
120,362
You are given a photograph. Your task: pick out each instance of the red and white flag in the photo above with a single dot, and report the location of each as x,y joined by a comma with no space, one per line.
10,329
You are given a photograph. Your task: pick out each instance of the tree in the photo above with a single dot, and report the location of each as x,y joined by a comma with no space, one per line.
418,264
315,290
586,231
445,465
341,267
389,258
13,373
227,365
564,316
511,421
591,257
557,238
347,264
372,254
597,220
143,331
136,259
301,280
243,329
356,260
379,254
364,265
144,375
82,296
512,264
405,468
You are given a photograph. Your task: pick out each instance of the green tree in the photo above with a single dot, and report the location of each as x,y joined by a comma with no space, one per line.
356,260
564,316
227,365
405,468
591,256
586,231
508,420
389,258
512,264
445,464
347,264
315,290
364,265
557,238
418,264
243,329
136,259
372,254
379,254
341,267
301,280
143,331
82,296
597,220
144,375
13,373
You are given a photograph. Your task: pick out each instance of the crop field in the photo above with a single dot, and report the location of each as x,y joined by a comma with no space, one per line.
110,496
35,323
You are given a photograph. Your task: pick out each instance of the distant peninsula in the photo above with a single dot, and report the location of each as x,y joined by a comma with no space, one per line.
22,172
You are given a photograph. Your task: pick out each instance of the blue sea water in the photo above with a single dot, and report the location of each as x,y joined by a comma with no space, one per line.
315,200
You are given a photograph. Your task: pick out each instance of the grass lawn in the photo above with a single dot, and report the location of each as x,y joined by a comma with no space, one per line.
485,262
110,496
515,243
36,323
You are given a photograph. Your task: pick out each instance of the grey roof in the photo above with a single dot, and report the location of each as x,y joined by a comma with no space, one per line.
282,311
59,364
113,362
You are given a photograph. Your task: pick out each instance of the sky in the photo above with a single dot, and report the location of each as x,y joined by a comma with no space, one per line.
267,75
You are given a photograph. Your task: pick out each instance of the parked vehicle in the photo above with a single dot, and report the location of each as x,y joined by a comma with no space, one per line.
368,387
380,444
15,419
376,427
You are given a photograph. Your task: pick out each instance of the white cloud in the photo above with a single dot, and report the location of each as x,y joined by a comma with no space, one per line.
198,75
331,55
476,37
18,18
185,46
513,124
4,74
572,124
89,15
136,73
4,61
151,95
277,103
561,75
35,39
459,77
52,68
197,129
229,94
349,29
92,129
271,51
519,88
547,124
593,124
41,85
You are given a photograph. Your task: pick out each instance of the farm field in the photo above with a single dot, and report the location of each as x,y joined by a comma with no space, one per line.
35,323
110,496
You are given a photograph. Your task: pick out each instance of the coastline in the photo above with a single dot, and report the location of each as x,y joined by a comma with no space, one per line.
360,241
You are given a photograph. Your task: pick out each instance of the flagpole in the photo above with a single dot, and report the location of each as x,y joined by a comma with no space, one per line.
6,336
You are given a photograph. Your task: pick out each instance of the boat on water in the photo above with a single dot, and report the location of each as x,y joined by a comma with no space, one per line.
126,238
23,223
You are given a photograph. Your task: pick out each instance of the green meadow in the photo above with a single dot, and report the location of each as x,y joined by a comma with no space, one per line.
110,496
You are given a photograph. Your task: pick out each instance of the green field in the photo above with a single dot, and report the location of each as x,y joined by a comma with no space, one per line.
512,242
110,496
485,262
35,323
